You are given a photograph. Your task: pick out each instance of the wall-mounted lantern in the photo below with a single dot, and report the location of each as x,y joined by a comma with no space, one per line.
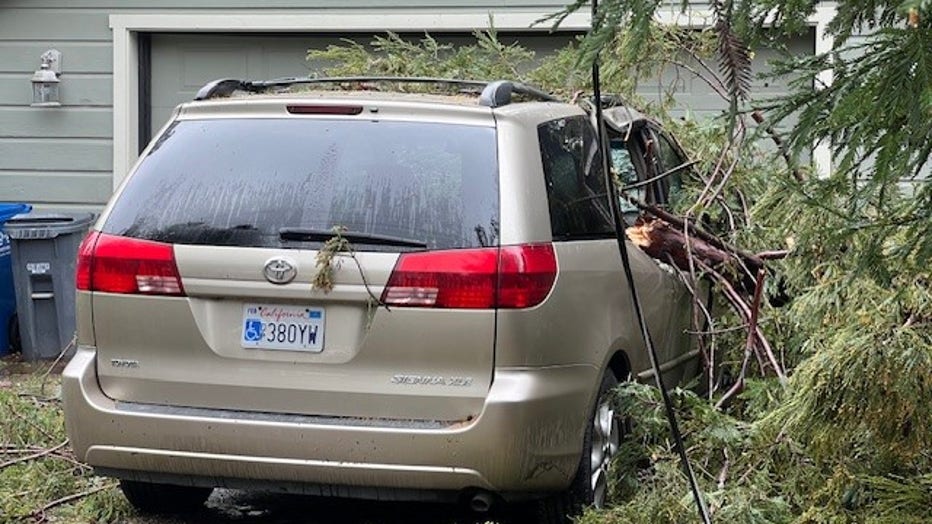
45,82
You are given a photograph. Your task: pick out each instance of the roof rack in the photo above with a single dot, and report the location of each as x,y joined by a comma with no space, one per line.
491,94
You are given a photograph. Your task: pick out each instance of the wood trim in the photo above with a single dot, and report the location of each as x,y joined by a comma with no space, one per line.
125,103
822,152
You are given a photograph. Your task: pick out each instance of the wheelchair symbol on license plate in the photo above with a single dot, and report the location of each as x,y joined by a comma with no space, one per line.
252,331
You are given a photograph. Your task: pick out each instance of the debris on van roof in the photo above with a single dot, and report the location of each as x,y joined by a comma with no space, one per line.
490,94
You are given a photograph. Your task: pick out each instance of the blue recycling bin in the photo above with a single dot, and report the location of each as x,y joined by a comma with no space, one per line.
7,296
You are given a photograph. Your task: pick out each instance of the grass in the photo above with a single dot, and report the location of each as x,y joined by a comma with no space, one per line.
40,479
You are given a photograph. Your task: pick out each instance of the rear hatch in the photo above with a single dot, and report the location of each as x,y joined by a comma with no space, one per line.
220,240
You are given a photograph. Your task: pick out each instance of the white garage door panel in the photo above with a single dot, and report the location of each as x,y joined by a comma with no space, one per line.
200,65
182,63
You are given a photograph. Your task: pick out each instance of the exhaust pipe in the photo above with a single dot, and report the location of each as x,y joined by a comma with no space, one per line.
481,502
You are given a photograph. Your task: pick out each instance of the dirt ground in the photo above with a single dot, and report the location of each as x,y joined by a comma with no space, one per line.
241,507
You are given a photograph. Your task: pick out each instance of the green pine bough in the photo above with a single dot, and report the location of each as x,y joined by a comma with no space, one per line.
848,438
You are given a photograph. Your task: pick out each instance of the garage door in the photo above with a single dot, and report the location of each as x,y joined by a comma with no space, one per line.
182,63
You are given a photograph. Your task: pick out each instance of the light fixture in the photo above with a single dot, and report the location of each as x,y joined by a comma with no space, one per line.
45,82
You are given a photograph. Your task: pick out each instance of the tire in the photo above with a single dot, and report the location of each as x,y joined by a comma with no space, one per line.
148,497
590,484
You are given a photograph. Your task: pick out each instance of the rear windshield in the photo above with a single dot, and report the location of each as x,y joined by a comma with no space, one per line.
238,182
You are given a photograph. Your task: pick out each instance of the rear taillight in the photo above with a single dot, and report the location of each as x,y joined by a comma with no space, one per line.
506,277
85,261
114,264
525,275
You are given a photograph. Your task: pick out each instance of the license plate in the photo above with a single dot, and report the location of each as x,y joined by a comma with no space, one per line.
289,328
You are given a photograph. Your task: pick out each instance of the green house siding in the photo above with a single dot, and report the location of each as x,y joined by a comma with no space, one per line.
58,157
63,157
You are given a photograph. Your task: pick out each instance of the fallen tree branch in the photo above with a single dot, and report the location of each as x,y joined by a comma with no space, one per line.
27,458
754,262
661,241
749,344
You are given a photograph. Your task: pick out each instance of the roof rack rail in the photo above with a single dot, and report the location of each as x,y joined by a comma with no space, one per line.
221,87
491,94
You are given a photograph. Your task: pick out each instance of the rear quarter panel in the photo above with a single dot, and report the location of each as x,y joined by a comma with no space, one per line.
589,315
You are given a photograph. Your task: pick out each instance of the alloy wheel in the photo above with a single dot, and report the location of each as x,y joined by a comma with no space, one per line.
606,438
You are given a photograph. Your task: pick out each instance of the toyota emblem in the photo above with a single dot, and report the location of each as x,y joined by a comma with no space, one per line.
280,270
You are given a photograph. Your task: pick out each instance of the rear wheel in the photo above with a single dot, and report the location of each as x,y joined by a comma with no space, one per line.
601,443
164,498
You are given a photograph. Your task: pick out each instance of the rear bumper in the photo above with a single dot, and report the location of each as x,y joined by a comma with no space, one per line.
528,438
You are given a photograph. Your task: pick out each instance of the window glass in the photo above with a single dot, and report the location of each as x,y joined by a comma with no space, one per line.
575,179
627,175
669,158
239,181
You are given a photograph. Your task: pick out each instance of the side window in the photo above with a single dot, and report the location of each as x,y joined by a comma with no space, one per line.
669,158
627,176
575,179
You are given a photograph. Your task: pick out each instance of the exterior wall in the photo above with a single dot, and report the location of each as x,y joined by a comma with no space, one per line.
59,157
71,157
63,157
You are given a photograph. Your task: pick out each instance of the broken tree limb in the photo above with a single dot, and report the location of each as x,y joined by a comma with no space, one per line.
750,259
749,343
662,241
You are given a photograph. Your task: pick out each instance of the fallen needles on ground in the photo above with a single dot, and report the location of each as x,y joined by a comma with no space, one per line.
39,514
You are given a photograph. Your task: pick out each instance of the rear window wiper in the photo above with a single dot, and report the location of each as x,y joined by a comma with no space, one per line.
304,234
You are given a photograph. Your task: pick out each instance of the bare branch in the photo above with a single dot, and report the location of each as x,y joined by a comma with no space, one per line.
773,255
781,146
39,454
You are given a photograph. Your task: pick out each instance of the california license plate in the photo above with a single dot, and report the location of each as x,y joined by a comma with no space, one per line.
289,328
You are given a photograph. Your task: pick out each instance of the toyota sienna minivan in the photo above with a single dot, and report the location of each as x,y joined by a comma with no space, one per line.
362,293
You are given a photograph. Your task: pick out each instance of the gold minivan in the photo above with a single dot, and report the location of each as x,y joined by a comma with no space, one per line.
367,294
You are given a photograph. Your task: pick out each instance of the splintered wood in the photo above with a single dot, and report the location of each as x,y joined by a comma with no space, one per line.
662,241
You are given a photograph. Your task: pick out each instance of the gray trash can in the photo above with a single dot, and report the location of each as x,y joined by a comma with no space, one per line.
44,251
